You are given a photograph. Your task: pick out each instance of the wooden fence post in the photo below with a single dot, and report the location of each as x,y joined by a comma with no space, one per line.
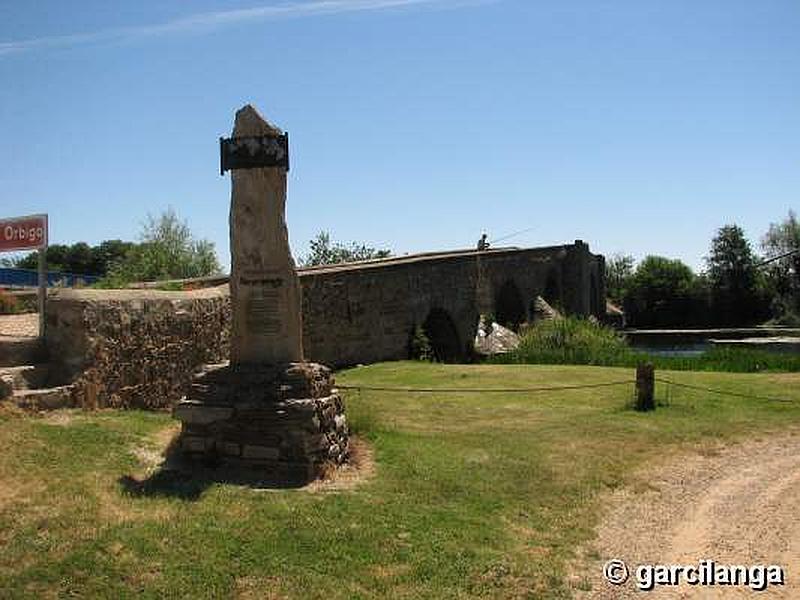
645,387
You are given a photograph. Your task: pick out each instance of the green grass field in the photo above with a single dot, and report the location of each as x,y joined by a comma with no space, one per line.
472,495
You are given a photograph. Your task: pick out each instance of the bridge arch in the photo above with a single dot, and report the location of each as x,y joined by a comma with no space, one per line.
594,298
509,307
552,290
443,336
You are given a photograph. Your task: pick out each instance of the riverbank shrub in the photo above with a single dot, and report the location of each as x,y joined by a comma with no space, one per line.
570,340
576,341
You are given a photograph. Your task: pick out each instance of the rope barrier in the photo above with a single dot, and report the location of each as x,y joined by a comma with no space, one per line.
482,390
722,392
410,390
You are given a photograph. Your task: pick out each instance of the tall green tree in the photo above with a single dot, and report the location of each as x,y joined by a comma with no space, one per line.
733,278
55,258
167,250
109,254
664,293
783,275
619,272
326,252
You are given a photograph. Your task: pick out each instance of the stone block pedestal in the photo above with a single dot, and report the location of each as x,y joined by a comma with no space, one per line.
284,422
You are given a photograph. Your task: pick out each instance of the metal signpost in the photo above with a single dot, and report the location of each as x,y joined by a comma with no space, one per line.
28,233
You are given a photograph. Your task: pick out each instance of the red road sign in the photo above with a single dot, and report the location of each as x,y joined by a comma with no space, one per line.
23,233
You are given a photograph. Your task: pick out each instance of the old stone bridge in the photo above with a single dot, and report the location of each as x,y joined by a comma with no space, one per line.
138,348
366,312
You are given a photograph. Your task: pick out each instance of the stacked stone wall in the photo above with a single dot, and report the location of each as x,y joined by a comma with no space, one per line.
286,419
140,348
135,349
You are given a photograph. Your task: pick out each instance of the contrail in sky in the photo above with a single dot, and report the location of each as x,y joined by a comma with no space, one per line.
213,20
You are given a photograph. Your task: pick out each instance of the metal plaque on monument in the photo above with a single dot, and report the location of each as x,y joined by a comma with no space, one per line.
268,409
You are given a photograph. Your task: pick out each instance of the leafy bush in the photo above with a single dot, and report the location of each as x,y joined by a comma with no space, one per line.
326,252
112,281
421,348
789,319
665,293
574,341
570,341
168,250
170,286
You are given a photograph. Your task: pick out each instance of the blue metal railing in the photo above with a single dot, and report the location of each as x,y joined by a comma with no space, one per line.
10,277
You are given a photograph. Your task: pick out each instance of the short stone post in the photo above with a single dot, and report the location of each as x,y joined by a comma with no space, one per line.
645,387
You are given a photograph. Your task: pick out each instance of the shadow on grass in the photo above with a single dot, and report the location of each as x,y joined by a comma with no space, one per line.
191,482
187,479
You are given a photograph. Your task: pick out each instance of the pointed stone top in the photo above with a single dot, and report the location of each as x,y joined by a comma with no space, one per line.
250,122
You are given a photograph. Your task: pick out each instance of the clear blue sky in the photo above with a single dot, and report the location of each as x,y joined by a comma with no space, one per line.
639,126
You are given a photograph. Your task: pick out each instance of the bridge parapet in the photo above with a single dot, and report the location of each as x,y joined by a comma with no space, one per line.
367,312
138,348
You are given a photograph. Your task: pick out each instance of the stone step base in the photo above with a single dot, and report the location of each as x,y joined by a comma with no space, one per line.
26,377
310,430
19,351
43,399
242,419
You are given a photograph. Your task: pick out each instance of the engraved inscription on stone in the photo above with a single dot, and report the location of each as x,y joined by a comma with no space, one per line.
263,313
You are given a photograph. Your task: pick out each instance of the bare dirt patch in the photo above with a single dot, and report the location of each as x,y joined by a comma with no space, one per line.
9,410
62,418
783,378
735,504
115,507
156,451
346,477
16,493
392,571
161,463
260,588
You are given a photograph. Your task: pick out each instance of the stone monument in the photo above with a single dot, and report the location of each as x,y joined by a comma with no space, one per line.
267,409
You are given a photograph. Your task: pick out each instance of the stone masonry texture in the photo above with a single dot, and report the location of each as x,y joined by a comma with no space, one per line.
287,420
139,349
135,349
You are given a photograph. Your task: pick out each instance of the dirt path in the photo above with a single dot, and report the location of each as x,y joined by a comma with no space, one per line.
738,504
25,325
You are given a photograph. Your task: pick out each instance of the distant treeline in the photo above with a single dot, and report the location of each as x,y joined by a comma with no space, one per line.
737,288
80,258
